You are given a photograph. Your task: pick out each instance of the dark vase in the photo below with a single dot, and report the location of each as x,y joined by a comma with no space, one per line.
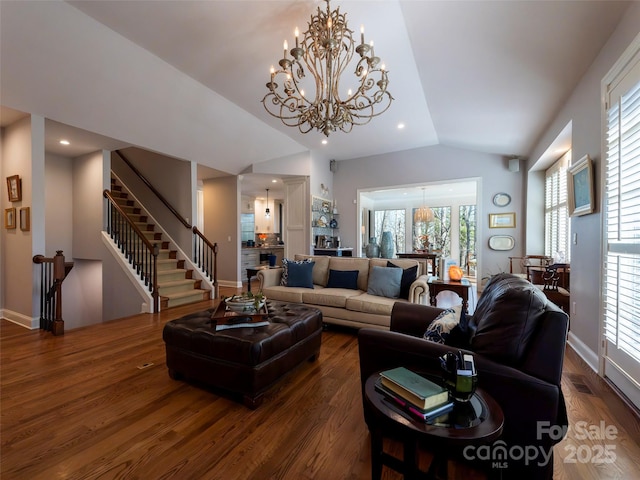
387,249
372,250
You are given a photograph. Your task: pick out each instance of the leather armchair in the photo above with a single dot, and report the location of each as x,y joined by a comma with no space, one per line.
522,373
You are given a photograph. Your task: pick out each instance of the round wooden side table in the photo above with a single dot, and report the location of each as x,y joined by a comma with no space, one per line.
476,422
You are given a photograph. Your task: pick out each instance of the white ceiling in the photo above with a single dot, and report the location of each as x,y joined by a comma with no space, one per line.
482,75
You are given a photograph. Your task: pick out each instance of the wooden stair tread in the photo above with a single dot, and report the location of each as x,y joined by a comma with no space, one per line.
175,283
189,293
175,278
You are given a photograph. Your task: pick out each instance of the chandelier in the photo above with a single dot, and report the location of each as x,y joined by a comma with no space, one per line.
423,214
325,52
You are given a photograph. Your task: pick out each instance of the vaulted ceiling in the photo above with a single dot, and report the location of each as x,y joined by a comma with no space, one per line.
480,75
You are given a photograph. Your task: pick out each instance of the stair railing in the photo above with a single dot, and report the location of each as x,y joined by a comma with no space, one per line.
135,246
205,253
205,256
53,271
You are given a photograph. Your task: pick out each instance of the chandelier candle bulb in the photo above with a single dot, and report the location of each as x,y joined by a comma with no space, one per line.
361,34
297,34
286,47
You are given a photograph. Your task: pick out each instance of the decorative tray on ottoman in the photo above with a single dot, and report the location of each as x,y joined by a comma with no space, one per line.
231,314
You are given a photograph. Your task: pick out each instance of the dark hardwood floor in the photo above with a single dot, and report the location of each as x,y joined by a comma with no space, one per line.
81,406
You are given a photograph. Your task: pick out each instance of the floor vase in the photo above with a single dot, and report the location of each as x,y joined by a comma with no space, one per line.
373,249
387,248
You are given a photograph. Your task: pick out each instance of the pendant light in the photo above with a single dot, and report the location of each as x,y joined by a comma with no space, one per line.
267,212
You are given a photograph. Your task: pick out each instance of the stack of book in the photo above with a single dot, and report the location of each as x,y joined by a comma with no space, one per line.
418,396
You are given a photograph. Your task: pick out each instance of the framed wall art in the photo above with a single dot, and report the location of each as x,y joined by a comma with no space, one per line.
14,188
580,187
9,218
25,220
502,220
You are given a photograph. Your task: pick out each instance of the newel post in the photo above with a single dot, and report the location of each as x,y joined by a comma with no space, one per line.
58,277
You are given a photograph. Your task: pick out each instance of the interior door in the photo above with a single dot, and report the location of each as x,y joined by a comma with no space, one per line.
297,218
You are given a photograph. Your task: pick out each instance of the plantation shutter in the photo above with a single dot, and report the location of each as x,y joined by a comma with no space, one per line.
622,234
556,214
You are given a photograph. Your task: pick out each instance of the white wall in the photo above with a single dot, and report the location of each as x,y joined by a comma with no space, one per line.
583,110
433,164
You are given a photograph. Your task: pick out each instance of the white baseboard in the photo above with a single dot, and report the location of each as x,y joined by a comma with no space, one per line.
229,283
588,355
20,319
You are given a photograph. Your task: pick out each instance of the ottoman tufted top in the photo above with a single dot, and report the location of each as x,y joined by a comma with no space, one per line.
289,323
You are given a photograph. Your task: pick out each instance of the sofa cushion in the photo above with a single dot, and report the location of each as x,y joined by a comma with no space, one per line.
321,268
343,279
300,274
352,263
372,304
506,318
330,297
284,279
385,282
440,328
284,294
409,276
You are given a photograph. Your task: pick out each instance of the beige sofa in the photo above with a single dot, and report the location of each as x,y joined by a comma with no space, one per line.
341,306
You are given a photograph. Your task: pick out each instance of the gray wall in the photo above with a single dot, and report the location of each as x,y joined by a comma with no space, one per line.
432,164
222,225
583,109
172,178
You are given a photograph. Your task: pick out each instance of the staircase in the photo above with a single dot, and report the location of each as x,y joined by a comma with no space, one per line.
176,285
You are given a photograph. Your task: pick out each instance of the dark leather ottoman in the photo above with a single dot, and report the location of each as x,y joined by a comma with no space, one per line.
245,361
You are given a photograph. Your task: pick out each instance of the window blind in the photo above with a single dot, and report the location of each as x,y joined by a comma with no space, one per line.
556,224
622,264
621,238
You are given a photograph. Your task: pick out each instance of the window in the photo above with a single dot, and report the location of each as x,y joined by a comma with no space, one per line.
438,231
622,228
556,214
390,221
468,238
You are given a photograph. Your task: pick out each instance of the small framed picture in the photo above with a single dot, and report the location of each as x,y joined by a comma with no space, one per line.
502,220
580,186
9,218
25,220
14,188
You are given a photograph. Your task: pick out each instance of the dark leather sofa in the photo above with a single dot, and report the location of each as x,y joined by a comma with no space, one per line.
518,340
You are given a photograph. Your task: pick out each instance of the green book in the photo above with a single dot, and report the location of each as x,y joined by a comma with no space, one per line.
414,388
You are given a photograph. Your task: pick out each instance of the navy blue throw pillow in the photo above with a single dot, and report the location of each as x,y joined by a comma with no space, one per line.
343,279
300,275
409,276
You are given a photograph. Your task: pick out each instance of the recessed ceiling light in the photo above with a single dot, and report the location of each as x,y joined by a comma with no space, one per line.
275,180
400,126
325,141
64,142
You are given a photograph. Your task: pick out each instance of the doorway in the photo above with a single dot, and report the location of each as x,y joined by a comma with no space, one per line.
439,217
